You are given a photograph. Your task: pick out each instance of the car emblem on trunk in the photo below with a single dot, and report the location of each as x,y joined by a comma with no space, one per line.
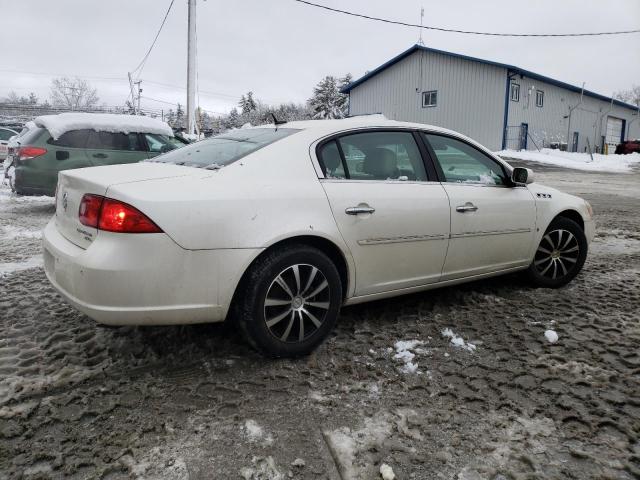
64,201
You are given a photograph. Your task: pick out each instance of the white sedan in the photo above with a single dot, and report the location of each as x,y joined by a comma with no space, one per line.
277,227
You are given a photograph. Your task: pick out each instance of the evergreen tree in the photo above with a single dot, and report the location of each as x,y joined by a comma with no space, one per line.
327,102
247,103
179,120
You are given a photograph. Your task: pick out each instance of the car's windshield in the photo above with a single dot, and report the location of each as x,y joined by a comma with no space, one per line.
226,148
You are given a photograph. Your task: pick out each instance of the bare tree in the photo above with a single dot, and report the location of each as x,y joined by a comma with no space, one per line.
631,96
75,94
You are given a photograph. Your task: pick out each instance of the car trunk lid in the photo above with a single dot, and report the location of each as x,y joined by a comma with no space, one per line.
74,184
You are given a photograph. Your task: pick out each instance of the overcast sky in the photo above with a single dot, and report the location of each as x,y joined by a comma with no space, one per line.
280,49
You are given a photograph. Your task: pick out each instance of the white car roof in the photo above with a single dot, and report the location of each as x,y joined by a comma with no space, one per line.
326,127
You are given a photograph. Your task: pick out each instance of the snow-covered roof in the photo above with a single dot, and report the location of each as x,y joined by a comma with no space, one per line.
101,122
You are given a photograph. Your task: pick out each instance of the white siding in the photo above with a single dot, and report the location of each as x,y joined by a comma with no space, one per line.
549,123
471,100
470,95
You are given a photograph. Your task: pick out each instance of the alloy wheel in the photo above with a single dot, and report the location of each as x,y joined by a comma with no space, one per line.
297,303
557,254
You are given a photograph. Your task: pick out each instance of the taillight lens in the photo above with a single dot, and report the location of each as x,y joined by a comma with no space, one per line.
27,153
114,216
89,211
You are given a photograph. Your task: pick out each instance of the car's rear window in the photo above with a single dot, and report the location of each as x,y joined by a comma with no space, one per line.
30,136
226,148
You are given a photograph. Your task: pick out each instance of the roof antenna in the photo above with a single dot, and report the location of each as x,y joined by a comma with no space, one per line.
277,122
420,42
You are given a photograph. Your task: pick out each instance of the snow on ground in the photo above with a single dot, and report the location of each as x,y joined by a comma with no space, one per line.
353,449
9,232
255,433
102,122
551,336
577,161
405,352
457,341
11,267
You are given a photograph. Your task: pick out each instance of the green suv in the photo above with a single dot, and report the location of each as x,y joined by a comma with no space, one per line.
38,158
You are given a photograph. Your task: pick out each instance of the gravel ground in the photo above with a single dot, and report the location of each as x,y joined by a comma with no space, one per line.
497,401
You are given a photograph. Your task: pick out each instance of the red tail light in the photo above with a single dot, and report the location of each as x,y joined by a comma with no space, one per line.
89,211
27,153
114,216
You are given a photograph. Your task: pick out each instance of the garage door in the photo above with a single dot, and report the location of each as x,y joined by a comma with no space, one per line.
614,132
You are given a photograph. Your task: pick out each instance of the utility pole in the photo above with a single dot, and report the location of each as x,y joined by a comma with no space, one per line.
138,96
133,95
191,68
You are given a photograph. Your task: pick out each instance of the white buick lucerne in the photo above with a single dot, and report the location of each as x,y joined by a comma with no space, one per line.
277,227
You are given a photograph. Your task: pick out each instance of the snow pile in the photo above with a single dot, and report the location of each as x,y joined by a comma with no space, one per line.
457,341
578,161
255,433
353,450
102,122
551,336
387,472
264,468
405,352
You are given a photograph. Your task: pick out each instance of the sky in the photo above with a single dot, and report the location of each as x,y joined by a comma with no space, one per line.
280,49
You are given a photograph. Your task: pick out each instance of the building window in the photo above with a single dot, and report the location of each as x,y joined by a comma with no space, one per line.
539,98
515,92
430,99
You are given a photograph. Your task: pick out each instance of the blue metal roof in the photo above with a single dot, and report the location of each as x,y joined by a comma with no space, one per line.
511,68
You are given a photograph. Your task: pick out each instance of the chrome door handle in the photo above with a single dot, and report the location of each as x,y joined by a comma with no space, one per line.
467,207
359,209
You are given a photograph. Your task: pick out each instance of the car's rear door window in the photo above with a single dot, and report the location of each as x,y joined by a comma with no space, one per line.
71,139
226,148
114,141
463,163
381,155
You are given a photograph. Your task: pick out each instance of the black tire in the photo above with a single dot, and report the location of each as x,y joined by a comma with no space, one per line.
560,255
274,330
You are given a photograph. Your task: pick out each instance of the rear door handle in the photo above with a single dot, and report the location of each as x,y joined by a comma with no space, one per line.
100,155
467,207
359,209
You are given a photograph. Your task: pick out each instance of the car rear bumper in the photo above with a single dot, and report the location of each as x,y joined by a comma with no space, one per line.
144,279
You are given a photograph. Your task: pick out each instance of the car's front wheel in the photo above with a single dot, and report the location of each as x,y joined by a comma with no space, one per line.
289,301
560,255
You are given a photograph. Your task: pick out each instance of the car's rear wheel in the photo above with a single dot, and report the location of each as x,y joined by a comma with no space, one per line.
289,300
560,255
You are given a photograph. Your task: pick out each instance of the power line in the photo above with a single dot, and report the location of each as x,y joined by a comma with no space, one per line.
176,104
469,32
143,61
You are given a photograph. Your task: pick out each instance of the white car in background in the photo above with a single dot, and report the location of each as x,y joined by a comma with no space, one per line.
5,135
12,146
279,226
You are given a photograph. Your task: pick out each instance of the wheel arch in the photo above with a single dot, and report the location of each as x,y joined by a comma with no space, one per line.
325,245
571,215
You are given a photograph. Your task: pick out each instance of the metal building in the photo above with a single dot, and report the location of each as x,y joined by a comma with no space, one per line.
499,105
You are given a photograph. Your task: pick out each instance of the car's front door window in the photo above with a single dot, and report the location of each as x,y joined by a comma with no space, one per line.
374,156
462,163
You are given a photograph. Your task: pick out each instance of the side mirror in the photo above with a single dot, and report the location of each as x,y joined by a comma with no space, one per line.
62,155
522,176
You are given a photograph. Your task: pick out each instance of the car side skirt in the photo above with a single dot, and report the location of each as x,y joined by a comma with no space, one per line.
431,286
